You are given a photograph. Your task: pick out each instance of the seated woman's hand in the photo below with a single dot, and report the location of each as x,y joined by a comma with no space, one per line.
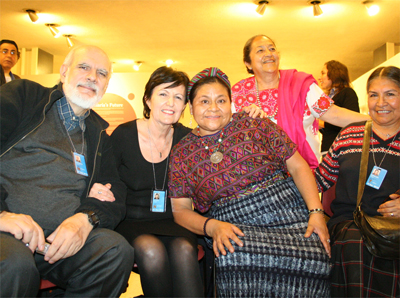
102,192
317,225
391,207
222,232
254,111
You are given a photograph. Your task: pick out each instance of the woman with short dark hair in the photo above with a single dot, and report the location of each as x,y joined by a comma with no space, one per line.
166,253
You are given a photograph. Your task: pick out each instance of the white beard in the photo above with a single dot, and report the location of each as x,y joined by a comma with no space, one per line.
85,102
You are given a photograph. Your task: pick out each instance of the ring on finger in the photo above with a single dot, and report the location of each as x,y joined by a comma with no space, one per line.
391,214
329,240
99,192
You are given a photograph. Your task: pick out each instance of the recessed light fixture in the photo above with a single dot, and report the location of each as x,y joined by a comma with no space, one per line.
372,8
69,41
32,15
137,64
53,29
262,5
316,8
169,62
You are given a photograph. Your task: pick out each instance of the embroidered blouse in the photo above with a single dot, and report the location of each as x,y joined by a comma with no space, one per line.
316,104
253,149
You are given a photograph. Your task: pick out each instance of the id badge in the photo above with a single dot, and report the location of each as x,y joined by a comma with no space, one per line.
376,177
80,164
158,200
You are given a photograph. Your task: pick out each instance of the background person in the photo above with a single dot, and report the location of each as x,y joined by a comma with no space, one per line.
9,56
335,82
290,98
357,273
237,167
44,198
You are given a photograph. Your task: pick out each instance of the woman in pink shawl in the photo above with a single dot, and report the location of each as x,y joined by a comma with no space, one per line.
289,98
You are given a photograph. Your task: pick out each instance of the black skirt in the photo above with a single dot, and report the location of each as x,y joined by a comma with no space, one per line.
131,229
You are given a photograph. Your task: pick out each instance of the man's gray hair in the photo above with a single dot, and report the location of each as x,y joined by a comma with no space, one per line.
70,56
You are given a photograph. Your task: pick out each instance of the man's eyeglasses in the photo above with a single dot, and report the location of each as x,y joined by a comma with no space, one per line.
5,51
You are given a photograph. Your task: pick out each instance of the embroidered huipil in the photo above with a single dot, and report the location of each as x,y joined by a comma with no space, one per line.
253,150
302,102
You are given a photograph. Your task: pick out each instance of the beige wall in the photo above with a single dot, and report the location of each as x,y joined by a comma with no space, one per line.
360,84
127,84
121,84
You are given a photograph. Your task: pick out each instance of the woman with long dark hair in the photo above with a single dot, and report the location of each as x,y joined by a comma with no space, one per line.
335,82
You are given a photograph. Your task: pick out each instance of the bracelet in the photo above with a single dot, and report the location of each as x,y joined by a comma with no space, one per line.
204,226
318,210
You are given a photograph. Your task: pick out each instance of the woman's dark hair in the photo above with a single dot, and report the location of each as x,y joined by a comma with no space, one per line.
205,81
338,74
389,72
247,50
160,76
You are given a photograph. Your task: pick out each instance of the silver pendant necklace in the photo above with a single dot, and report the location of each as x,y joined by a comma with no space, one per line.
216,156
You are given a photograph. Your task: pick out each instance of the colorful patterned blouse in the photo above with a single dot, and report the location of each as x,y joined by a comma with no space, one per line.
253,149
244,94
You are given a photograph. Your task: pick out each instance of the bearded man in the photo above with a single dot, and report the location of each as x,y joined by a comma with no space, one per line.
53,149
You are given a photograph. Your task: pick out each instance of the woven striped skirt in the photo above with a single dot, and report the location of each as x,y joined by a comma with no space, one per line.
276,259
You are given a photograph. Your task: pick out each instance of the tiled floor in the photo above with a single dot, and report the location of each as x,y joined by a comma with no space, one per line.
134,288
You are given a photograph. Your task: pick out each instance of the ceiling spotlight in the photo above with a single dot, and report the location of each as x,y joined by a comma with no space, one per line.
372,8
317,10
262,5
32,15
169,62
54,31
137,65
69,41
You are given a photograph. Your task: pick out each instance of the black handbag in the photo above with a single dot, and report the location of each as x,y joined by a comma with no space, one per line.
381,235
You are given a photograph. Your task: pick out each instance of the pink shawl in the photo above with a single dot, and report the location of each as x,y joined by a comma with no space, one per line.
292,93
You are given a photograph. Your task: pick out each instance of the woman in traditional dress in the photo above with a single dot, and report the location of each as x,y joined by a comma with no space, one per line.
289,98
356,272
266,229
335,82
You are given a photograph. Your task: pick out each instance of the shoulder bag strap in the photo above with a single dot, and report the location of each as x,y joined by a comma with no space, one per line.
364,162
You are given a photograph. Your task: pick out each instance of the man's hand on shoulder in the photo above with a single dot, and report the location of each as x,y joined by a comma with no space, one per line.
68,238
24,228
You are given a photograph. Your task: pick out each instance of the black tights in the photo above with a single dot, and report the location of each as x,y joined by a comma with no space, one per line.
168,266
